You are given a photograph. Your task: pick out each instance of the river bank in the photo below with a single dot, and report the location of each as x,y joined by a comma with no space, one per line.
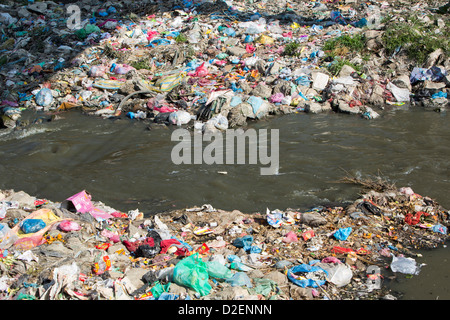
220,65
84,250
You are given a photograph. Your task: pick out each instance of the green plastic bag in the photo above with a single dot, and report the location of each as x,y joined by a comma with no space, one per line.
192,272
218,271
158,289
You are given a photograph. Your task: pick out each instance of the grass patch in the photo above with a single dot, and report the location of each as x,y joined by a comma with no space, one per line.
416,38
345,43
336,66
141,64
181,38
292,49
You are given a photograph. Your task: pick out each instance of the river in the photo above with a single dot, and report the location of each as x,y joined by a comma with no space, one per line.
126,166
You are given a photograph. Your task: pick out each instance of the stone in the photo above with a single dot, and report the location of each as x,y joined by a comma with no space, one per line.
434,58
433,85
280,278
313,107
344,107
299,293
262,90
135,276
236,51
402,82
275,69
312,219
346,71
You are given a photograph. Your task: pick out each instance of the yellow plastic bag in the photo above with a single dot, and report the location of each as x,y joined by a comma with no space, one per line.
263,39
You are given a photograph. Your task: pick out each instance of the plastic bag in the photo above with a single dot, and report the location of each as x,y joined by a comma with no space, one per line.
343,233
405,265
240,279
68,226
179,117
97,71
290,237
192,272
102,263
243,242
340,275
7,236
201,71
218,270
44,97
32,225
401,95
219,121
295,274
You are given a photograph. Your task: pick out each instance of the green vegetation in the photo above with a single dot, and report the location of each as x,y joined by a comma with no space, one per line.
181,38
141,64
336,65
292,49
345,44
416,38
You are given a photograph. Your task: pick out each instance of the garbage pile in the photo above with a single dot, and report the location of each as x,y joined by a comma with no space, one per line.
81,249
180,62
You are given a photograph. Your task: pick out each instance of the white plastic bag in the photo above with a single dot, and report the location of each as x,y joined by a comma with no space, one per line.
179,117
405,265
401,95
340,275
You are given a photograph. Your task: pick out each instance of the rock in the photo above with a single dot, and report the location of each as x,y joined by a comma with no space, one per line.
434,58
346,71
430,85
262,90
299,293
313,107
236,51
135,276
326,107
345,108
275,68
24,199
312,219
402,82
280,278
177,289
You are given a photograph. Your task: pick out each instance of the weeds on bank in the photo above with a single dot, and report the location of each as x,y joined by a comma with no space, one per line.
292,49
417,38
336,65
345,43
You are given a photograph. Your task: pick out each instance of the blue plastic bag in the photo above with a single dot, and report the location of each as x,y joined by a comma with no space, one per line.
243,242
32,225
44,97
343,233
240,279
302,281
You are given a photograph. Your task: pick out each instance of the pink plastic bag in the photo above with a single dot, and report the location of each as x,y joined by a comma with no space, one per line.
201,71
110,235
68,226
290,237
249,48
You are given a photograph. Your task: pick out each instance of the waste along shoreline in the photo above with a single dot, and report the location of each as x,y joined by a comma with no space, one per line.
81,249
221,64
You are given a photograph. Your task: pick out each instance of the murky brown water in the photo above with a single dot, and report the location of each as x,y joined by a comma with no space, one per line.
126,166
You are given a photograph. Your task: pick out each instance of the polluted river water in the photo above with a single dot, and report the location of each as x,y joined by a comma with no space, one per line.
126,166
